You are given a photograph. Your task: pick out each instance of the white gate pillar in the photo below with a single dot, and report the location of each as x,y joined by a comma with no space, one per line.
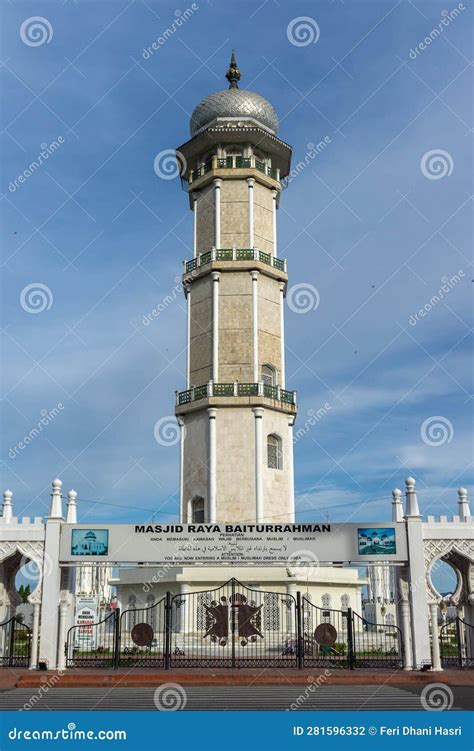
35,635
416,579
51,581
436,662
63,610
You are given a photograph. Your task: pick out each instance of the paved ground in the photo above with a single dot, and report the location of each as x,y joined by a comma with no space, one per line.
230,697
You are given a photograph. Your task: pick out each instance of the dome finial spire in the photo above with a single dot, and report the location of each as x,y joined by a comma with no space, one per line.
233,73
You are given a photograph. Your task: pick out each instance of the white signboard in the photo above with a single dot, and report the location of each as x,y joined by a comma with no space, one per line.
85,617
238,544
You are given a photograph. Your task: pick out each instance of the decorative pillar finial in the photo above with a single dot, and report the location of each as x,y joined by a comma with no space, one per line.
56,508
411,506
7,506
463,503
233,73
397,506
71,516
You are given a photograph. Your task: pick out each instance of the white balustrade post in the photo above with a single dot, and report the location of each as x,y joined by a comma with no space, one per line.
212,412
397,506
7,507
71,517
256,369
258,412
463,505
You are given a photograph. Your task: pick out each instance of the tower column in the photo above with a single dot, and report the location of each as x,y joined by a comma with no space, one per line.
254,275
217,212
212,484
282,334
183,512
258,412
251,183
215,326
187,292
291,471
195,210
274,203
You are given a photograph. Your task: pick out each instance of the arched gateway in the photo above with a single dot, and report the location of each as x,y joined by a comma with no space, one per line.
240,623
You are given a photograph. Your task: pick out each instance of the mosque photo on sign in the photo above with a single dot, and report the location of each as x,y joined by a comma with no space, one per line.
379,541
90,542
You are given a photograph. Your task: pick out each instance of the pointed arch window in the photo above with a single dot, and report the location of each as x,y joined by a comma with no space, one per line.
197,510
269,375
274,452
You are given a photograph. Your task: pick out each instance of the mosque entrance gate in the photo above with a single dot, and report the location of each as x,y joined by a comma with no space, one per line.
235,624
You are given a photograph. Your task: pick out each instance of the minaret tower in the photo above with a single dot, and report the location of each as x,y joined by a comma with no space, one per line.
236,414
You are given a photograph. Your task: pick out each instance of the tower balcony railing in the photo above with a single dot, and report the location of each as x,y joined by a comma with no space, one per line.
234,162
211,389
234,254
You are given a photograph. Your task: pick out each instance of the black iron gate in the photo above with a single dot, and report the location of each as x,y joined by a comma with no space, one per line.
456,640
325,637
237,626
343,639
93,645
15,644
233,626
142,636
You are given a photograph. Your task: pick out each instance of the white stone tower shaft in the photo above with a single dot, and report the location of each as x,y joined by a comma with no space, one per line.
236,414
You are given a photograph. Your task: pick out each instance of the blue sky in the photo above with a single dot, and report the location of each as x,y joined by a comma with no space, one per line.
366,224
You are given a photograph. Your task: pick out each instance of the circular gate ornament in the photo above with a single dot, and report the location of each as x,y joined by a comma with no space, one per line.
325,634
142,634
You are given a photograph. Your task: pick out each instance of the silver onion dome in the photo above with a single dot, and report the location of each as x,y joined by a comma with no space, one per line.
234,102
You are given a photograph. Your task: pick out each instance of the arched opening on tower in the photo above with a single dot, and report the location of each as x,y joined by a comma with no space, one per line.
274,452
269,374
197,510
